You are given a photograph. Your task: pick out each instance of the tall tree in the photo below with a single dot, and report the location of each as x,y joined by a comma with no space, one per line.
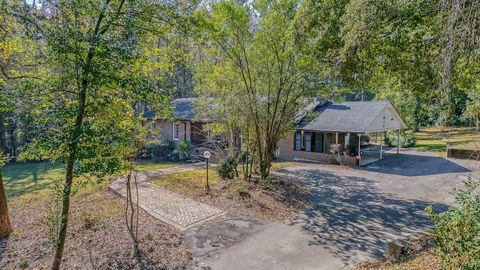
267,76
15,64
459,42
98,64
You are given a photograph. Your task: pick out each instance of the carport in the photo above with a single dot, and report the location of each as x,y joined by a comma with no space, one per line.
331,131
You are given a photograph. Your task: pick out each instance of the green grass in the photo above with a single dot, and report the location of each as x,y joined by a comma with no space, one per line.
189,182
278,165
32,177
436,139
147,165
193,182
24,178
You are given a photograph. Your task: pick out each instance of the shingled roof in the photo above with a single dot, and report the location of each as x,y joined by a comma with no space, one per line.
183,109
355,117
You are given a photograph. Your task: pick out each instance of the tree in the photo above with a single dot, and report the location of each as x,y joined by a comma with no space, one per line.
97,68
5,226
459,41
253,60
411,52
14,50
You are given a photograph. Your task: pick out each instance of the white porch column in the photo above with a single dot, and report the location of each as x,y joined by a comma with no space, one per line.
359,146
398,141
381,145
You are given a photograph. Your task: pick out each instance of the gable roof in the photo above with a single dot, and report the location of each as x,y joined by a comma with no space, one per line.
355,116
183,109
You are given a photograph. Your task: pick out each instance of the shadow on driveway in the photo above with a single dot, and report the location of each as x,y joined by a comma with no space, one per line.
351,218
414,165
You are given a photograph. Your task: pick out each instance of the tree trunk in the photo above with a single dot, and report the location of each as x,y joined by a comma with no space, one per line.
5,227
64,216
67,188
76,133
13,140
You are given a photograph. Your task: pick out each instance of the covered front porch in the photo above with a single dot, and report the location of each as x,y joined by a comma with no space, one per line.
350,133
340,147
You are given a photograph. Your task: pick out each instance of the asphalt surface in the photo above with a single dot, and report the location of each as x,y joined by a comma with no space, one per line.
356,213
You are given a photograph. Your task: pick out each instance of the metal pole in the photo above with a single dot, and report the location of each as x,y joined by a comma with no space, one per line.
398,141
207,187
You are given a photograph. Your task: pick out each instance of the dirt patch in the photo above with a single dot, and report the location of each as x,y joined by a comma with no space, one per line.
97,237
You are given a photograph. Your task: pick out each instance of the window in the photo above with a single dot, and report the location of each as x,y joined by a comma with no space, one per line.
153,125
319,142
175,131
298,141
308,142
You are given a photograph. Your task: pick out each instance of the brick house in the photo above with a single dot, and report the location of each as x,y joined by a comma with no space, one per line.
182,125
332,132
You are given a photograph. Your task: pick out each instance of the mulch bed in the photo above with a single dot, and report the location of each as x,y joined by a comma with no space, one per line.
282,199
97,237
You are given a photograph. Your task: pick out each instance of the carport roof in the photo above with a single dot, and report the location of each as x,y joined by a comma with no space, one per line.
352,117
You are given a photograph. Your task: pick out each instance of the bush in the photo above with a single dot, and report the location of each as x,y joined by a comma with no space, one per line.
88,219
24,263
226,169
406,140
239,188
457,231
158,149
184,149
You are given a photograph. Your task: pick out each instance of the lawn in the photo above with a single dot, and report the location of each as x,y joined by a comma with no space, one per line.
193,182
190,183
148,165
280,200
24,178
436,139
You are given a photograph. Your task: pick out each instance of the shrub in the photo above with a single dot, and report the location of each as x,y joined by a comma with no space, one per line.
457,231
158,149
239,188
406,140
226,169
89,220
388,141
24,263
184,149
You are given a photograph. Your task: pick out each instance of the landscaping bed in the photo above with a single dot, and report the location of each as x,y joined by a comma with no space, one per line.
281,199
97,236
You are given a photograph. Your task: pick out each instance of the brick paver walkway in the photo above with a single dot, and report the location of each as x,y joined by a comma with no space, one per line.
165,205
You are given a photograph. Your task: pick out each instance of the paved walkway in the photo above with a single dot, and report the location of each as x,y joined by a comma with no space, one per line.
169,207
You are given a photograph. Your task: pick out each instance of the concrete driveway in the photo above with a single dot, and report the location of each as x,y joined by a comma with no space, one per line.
355,213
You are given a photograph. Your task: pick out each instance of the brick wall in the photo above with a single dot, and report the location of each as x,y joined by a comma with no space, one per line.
166,130
287,153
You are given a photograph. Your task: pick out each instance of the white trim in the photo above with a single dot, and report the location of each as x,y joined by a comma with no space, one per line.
176,127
